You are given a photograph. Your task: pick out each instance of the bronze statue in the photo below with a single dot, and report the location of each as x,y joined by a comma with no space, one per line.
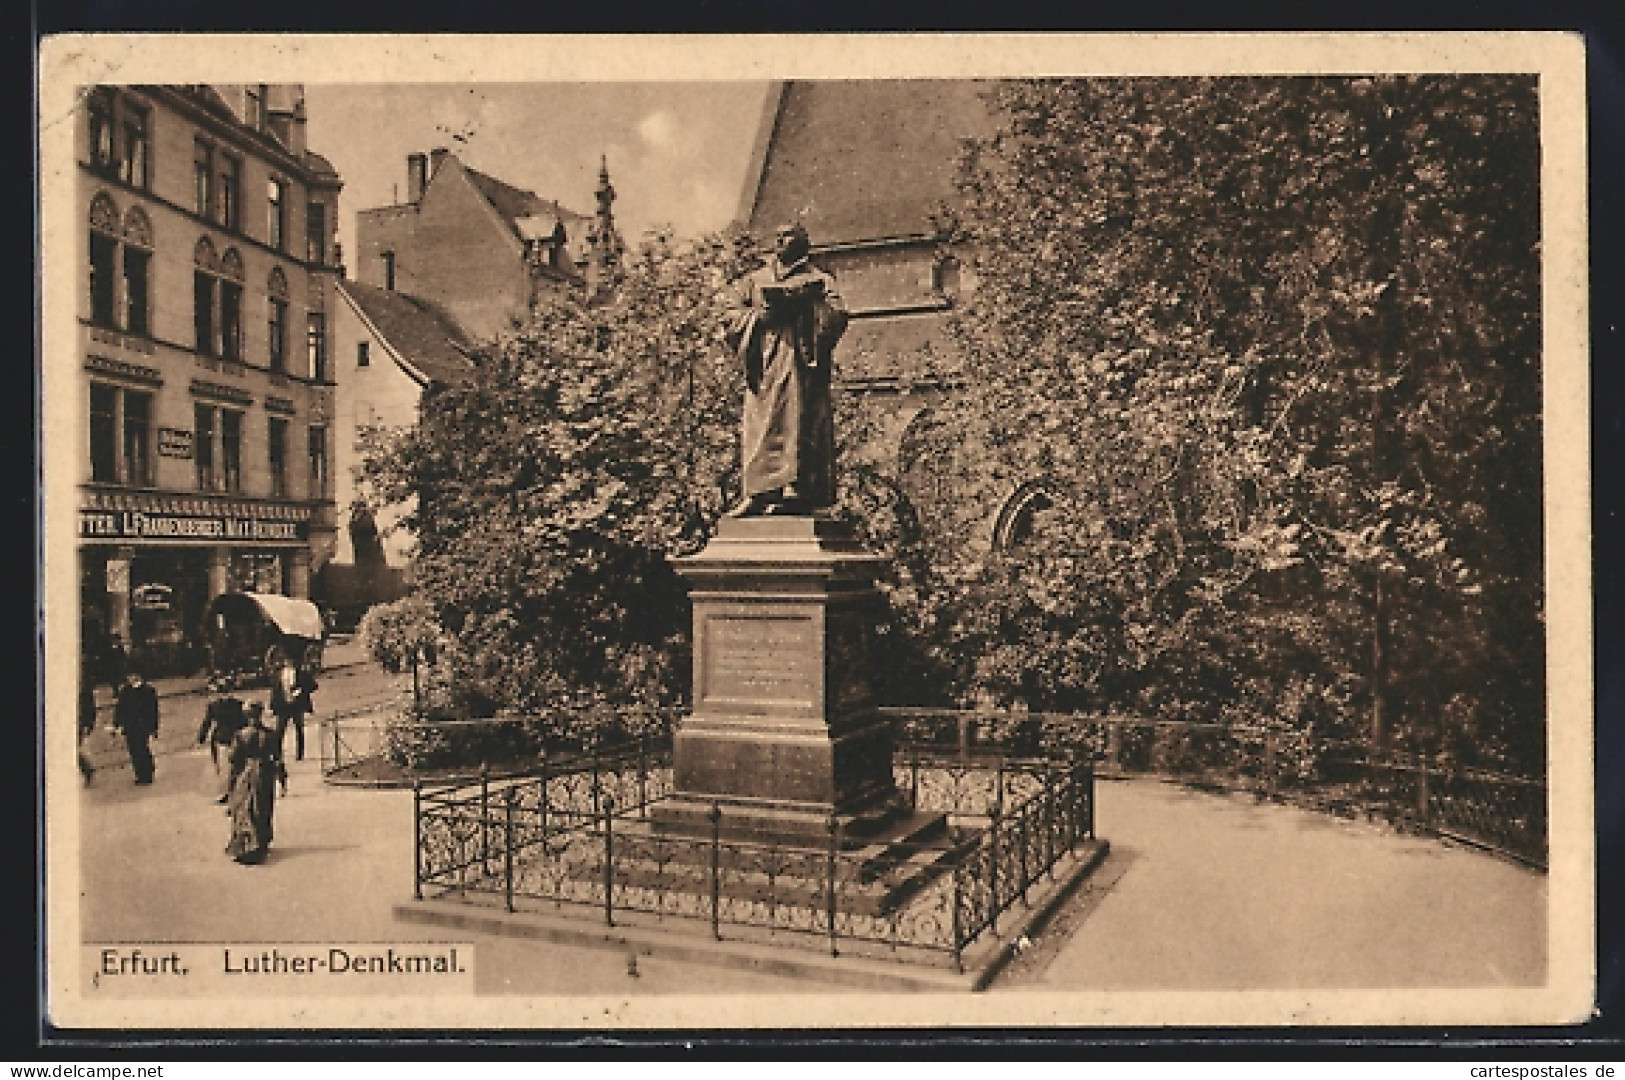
784,331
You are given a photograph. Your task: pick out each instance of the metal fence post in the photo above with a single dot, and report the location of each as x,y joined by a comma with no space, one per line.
485,818
993,868
998,782
609,860
1022,841
507,849
834,827
1271,785
1049,820
1422,799
955,926
596,797
914,779
541,800
716,870
643,776
1074,771
417,839
1089,800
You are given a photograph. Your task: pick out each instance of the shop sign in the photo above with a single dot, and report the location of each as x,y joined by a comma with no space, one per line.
118,575
151,597
174,442
142,525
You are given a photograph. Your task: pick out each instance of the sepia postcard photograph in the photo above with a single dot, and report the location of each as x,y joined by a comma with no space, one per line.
576,533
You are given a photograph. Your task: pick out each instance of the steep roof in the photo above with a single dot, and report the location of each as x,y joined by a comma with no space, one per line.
864,159
514,204
420,333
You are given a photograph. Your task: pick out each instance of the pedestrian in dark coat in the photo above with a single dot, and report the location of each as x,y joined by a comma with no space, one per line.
135,713
222,719
289,704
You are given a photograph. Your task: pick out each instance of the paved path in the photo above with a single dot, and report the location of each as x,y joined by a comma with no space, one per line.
155,871
1210,892
1200,892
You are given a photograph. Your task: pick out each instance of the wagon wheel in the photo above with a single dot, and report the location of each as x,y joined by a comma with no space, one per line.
273,658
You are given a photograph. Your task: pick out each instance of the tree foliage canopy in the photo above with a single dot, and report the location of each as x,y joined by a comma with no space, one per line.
551,487
1272,346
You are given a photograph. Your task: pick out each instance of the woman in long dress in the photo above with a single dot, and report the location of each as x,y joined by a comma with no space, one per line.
254,767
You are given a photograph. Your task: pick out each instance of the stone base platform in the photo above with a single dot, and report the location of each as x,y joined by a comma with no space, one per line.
882,817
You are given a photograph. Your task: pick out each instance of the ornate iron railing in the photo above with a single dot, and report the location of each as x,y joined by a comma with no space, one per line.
1506,814
973,755
575,839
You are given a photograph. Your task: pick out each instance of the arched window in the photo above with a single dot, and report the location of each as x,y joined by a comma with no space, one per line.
1020,519
137,265
277,319
104,213
205,291
204,257
231,305
138,228
105,228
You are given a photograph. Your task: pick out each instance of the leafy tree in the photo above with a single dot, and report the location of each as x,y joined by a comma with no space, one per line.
1273,347
552,488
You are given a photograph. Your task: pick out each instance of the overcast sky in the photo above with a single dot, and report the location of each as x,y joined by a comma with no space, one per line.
677,151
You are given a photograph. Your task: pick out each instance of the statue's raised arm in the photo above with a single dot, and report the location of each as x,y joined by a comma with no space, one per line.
787,320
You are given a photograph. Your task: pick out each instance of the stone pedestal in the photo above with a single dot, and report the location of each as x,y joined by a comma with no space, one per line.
783,734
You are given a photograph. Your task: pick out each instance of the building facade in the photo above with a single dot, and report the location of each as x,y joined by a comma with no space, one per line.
208,242
388,348
481,250
466,257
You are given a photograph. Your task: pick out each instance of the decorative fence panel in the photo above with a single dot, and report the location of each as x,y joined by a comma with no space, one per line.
566,841
964,762
1504,813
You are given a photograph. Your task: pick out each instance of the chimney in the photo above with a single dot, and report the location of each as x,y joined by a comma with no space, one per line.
416,177
296,133
279,113
437,157
279,122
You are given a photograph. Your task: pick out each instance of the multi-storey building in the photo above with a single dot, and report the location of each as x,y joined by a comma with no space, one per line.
482,250
208,242
464,258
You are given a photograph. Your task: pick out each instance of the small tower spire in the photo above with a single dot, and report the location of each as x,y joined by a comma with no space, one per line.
604,260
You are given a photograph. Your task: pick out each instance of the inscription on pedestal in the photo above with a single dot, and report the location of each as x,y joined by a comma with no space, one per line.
783,734
759,659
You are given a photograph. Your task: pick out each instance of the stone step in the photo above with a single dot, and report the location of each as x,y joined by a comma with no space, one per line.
875,898
875,880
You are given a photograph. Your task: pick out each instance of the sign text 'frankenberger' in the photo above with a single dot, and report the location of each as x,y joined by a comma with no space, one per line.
141,525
